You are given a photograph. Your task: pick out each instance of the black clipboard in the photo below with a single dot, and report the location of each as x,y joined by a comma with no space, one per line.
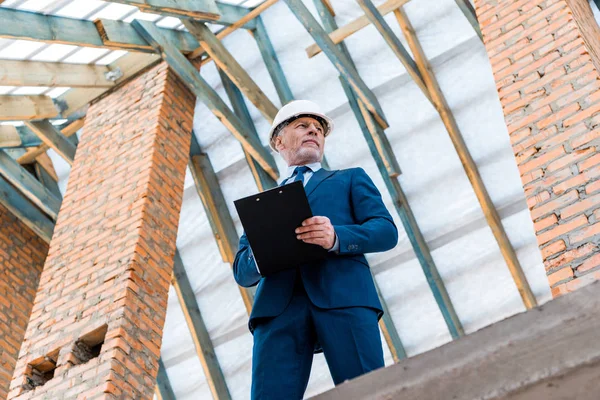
270,219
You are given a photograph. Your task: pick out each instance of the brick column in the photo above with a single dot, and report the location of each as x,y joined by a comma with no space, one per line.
543,54
22,255
96,324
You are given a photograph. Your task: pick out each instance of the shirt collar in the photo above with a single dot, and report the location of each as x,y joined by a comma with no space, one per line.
314,167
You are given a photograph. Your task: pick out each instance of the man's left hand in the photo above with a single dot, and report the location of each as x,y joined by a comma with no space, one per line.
317,230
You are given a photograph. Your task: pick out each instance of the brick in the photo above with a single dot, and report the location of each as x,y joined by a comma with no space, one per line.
545,223
561,229
578,180
553,248
585,233
570,159
566,258
542,160
594,186
560,275
589,264
589,163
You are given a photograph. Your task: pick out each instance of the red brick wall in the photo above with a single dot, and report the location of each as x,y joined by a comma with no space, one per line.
22,255
549,88
111,255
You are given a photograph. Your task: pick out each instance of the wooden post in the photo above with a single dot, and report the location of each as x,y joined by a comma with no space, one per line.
202,342
491,214
402,207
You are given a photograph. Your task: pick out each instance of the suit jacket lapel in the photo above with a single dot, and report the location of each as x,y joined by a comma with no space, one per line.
316,180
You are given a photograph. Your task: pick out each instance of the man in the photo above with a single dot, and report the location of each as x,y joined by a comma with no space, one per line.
331,304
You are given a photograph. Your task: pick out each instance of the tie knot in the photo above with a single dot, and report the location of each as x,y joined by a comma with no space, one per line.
301,170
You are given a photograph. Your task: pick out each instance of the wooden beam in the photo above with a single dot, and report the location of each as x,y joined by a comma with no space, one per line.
232,68
215,207
34,73
402,208
469,12
342,33
188,74
202,342
117,35
329,7
47,180
200,9
394,43
262,179
271,62
163,390
33,153
214,203
54,139
339,61
232,14
378,136
19,108
22,208
9,136
30,187
45,162
12,136
242,22
417,240
489,210
121,35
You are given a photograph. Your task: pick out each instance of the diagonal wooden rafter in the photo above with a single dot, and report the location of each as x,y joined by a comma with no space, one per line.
262,179
33,153
199,9
467,8
226,62
338,60
49,74
362,115
271,62
54,139
394,43
20,108
213,201
163,389
338,35
242,22
202,342
489,210
28,185
25,211
192,79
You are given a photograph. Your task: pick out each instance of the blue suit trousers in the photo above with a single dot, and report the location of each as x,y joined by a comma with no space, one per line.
284,346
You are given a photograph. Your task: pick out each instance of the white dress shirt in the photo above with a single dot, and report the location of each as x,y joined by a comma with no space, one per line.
314,167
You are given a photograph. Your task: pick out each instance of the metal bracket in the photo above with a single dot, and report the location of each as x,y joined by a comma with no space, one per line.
113,75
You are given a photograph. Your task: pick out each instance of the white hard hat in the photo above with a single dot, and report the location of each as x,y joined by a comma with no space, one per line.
296,109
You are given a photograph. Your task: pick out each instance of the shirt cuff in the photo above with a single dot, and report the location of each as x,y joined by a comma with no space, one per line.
336,245
254,259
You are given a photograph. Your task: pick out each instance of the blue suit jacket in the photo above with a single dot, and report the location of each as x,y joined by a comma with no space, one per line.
363,225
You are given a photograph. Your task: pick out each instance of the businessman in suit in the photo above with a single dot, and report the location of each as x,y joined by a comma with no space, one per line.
330,305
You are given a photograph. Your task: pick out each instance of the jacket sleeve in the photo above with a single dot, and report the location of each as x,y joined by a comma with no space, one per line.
374,230
244,266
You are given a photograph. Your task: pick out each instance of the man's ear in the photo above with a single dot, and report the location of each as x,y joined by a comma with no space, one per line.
278,143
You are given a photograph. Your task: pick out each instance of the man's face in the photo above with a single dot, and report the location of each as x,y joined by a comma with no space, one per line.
301,142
